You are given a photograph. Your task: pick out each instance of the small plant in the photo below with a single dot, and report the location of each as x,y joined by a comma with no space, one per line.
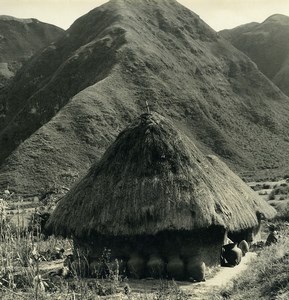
257,187
266,186
283,215
272,195
169,290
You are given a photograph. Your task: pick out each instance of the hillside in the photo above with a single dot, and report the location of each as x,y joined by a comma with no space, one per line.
70,101
20,39
267,44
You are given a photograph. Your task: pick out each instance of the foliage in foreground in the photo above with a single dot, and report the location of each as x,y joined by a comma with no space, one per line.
22,276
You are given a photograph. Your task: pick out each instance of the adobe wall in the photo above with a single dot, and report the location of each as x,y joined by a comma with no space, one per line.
171,247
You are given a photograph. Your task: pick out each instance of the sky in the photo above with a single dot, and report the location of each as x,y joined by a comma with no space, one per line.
219,14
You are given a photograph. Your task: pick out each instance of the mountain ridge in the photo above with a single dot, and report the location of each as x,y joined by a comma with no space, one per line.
280,18
160,53
267,44
19,40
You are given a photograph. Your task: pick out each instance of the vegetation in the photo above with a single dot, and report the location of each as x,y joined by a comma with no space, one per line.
283,190
267,277
256,39
35,267
284,214
32,267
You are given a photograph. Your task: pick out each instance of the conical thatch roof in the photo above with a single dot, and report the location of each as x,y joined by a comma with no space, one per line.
153,178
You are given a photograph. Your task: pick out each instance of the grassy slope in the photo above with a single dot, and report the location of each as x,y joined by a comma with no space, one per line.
57,73
161,53
267,44
20,39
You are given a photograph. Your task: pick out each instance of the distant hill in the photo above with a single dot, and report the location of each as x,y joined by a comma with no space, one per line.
267,44
71,100
20,39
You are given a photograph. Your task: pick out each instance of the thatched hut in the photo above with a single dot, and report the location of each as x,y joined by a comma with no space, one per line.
153,193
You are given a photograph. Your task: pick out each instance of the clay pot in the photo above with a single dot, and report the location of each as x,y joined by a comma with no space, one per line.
155,266
136,266
231,255
196,269
229,246
243,245
175,267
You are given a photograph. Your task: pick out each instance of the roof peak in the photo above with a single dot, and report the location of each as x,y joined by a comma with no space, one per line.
152,179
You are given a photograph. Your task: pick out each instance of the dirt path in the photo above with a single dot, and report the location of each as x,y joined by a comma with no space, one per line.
200,291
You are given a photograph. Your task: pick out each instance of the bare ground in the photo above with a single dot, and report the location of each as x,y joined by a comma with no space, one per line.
145,289
201,291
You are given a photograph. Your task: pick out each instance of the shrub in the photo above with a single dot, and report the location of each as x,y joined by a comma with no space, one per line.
272,195
283,215
266,186
257,187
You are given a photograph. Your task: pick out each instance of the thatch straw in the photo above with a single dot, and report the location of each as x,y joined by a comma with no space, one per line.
153,178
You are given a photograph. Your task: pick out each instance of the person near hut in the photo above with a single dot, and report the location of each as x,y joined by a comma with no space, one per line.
272,237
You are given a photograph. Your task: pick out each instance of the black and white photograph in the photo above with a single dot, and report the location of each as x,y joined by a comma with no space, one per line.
144,149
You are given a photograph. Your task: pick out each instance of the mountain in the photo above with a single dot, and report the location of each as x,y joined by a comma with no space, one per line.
68,103
20,39
267,44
